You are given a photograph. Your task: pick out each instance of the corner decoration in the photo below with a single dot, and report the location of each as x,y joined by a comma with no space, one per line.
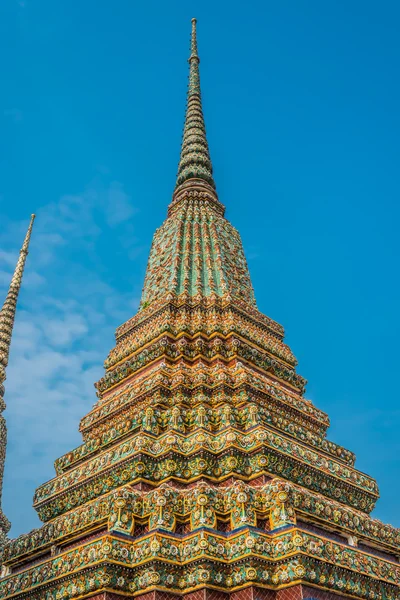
203,468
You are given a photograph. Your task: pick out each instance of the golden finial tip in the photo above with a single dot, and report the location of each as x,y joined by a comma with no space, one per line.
33,216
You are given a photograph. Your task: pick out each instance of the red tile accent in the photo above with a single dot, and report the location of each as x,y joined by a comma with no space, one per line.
83,540
198,595
229,481
148,596
215,595
375,552
182,528
31,563
223,525
141,486
140,530
107,596
292,593
317,594
320,531
164,596
178,485
248,593
261,480
263,524
75,544
264,594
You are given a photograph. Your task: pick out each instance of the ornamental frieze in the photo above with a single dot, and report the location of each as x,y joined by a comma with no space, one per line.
131,463
184,299
156,418
248,555
209,321
261,437
190,194
220,348
193,376
216,443
203,503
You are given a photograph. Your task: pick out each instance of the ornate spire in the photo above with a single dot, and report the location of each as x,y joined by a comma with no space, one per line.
196,253
195,162
7,316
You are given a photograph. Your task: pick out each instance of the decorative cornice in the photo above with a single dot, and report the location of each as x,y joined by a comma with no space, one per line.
172,318
188,407
162,560
142,505
174,301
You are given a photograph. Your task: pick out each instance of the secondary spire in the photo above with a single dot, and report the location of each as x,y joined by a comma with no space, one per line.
7,316
195,161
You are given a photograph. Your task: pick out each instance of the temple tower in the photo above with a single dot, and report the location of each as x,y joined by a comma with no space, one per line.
204,473
7,316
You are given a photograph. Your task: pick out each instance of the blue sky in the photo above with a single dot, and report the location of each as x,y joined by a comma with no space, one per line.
301,104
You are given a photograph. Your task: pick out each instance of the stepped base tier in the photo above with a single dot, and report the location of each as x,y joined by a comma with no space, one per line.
204,472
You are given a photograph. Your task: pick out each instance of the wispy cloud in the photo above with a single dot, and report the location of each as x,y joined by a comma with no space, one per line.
63,331
119,207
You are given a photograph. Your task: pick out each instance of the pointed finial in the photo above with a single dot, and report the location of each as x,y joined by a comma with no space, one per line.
7,313
7,316
193,44
195,162
194,61
16,280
